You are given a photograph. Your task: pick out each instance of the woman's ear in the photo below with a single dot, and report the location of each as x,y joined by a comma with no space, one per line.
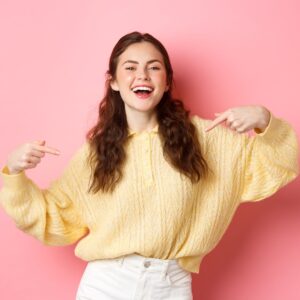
113,84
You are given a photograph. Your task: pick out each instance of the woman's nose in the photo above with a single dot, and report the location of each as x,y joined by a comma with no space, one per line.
142,75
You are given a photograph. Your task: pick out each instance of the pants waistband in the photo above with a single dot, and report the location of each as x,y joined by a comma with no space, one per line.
142,262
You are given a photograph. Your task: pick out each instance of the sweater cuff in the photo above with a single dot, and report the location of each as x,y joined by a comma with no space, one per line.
276,130
15,181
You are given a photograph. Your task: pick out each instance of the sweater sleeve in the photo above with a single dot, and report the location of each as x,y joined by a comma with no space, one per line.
271,160
260,164
50,215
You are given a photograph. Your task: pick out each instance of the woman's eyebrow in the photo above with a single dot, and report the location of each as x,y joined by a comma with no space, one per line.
148,62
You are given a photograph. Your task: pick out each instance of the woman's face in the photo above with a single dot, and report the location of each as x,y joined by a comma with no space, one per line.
140,77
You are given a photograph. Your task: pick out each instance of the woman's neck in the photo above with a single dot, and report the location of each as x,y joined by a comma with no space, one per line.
141,121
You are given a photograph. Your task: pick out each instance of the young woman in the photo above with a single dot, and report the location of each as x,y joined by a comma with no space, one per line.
152,190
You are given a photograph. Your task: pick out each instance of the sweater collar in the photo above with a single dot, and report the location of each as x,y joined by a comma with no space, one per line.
133,132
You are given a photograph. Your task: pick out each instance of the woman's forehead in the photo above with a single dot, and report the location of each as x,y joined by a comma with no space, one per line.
143,51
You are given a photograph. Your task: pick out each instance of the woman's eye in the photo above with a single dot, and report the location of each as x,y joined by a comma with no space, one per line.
129,68
154,68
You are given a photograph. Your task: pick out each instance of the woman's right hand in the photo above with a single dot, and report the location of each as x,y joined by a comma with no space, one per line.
27,156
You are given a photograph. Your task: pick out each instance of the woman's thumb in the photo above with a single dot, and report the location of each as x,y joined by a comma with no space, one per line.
40,142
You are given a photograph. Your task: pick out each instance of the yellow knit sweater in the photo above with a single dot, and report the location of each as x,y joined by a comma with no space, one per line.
155,211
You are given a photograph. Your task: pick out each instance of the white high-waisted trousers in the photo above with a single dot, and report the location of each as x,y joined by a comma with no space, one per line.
135,277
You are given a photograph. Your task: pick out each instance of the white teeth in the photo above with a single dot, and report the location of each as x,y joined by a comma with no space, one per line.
142,88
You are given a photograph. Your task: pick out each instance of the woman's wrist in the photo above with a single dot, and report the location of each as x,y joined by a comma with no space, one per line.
11,171
264,119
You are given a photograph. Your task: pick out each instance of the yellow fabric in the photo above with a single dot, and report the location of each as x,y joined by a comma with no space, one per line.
155,211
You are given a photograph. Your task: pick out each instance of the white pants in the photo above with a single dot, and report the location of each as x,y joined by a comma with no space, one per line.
135,277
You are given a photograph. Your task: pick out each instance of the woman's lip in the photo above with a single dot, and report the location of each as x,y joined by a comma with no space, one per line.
143,95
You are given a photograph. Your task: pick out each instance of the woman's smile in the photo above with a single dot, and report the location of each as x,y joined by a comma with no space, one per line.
143,91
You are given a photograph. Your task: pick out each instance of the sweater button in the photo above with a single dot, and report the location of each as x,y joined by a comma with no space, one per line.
147,264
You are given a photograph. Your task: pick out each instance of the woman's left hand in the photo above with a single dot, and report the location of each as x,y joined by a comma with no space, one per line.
243,118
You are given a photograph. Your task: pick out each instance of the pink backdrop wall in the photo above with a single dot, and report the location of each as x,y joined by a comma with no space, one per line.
225,53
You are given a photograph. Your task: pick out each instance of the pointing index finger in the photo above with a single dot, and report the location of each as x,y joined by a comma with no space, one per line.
47,149
221,118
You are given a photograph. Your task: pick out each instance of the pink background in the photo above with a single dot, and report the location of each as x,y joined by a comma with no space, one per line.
225,53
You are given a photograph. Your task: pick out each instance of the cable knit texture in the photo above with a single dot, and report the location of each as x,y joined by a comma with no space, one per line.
155,211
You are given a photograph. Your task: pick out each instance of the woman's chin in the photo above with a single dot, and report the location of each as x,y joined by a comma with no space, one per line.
142,107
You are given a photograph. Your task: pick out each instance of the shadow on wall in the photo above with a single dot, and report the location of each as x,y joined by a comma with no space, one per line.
191,85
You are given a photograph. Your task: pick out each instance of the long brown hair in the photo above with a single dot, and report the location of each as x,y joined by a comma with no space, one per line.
107,138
